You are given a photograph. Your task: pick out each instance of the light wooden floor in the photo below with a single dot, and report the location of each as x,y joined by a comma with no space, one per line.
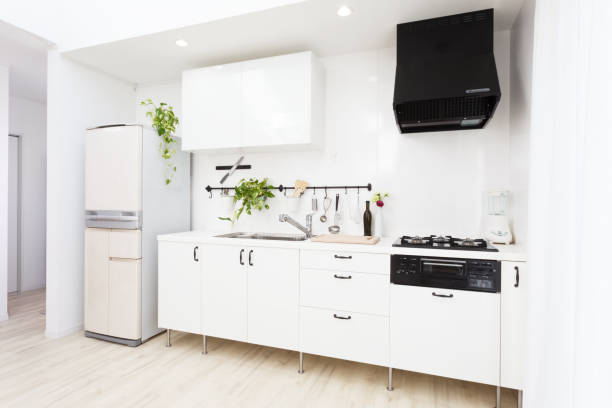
75,371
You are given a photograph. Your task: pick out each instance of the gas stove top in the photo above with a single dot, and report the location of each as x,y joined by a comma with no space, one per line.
444,242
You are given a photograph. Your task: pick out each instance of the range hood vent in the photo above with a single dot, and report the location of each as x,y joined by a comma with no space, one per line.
446,78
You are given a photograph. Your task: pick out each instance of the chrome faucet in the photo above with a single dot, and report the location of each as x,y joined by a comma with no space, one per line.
305,229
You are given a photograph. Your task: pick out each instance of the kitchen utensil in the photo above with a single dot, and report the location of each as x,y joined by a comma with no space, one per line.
346,239
326,204
315,203
356,210
334,229
232,170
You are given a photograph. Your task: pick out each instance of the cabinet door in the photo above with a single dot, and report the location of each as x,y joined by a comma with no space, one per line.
124,289
96,280
276,100
513,317
456,337
224,291
273,293
179,284
211,107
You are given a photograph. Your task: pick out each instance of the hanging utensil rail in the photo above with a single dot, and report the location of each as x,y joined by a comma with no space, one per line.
280,187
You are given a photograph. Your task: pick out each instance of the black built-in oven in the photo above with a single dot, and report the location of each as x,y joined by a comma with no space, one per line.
447,273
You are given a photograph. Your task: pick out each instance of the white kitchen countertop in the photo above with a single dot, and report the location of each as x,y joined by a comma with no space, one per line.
506,252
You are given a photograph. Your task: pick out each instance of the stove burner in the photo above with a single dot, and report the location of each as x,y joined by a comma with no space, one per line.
471,243
440,239
415,240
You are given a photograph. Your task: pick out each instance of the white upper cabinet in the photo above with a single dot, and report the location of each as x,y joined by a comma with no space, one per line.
267,102
211,107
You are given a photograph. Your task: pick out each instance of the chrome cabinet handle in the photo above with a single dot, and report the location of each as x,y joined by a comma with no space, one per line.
250,254
343,257
342,277
195,254
517,277
241,252
342,317
442,296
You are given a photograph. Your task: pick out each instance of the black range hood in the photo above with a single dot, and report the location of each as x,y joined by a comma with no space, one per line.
446,78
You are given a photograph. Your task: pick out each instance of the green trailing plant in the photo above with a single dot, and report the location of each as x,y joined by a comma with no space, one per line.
164,121
253,195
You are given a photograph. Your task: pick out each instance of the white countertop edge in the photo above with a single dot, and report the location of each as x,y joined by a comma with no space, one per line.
506,252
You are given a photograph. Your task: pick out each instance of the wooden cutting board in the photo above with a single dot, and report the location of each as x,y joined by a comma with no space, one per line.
346,239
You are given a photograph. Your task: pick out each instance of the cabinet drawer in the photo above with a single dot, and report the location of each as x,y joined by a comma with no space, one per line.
125,244
350,291
362,337
346,261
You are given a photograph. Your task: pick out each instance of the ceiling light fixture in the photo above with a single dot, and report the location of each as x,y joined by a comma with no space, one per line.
181,43
344,11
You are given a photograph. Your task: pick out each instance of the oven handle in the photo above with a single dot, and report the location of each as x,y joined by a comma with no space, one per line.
442,296
443,264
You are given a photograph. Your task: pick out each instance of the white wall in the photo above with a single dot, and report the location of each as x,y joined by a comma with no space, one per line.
28,119
521,68
78,98
97,22
4,94
437,181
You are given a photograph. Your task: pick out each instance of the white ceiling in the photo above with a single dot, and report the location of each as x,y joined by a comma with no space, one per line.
309,25
26,57
72,24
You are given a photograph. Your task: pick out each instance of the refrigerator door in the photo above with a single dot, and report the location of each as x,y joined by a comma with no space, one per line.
113,176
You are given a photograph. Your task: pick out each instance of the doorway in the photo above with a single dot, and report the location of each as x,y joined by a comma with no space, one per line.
14,214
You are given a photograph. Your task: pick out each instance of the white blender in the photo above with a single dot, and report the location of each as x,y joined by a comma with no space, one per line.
498,226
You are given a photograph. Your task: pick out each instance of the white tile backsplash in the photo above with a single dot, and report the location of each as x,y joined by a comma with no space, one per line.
437,181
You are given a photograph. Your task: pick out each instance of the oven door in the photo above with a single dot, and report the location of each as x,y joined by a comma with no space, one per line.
443,272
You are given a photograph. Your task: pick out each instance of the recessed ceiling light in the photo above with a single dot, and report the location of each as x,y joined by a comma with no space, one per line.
181,43
344,11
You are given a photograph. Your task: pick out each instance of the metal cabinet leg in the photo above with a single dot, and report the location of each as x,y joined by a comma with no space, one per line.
204,348
301,368
168,338
390,384
498,398
519,400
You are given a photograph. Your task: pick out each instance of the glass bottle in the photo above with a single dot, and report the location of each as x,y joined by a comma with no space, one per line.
367,221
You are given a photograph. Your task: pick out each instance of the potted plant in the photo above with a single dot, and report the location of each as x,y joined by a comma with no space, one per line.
253,195
164,121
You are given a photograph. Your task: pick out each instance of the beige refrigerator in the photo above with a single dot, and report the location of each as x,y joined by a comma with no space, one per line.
127,204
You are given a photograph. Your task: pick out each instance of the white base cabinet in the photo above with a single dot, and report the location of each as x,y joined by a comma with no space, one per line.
224,292
251,294
450,333
513,318
179,277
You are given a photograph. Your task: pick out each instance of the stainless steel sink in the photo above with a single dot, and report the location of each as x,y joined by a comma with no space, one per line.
264,235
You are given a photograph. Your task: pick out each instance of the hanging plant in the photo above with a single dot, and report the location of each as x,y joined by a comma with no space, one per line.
254,194
164,122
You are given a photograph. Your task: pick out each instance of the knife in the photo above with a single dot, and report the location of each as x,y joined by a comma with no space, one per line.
337,216
232,170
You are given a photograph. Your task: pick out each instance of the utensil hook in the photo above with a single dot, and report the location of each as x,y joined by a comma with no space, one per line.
325,192
210,194
345,190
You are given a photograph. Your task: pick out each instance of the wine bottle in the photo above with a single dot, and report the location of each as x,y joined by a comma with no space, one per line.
367,221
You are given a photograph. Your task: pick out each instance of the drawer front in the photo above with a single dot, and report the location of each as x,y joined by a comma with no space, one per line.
349,291
346,261
125,244
363,337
